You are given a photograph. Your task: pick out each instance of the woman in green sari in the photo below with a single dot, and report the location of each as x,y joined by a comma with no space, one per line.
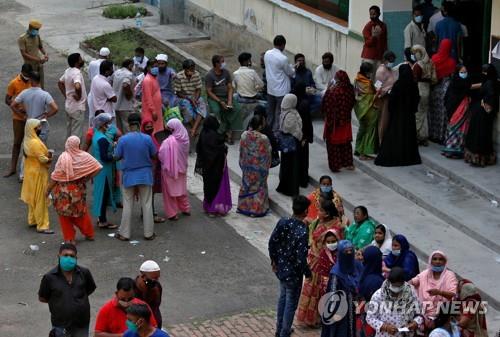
366,112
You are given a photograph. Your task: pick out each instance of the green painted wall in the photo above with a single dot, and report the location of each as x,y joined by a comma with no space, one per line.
396,23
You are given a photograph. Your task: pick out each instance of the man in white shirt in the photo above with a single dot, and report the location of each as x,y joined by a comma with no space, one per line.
246,81
124,85
103,95
72,86
414,33
278,74
325,72
140,61
93,71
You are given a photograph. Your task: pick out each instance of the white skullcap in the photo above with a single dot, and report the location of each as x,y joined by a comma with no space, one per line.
162,57
149,266
104,52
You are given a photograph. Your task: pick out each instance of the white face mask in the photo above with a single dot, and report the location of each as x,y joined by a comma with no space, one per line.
395,289
223,65
331,246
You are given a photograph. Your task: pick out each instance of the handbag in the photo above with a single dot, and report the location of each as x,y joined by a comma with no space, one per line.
286,142
171,113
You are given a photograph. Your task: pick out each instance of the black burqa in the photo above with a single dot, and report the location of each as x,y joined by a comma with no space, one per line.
210,157
459,88
479,138
303,107
399,146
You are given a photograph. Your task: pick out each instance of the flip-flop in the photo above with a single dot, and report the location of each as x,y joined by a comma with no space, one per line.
174,218
159,219
121,237
10,174
47,231
187,213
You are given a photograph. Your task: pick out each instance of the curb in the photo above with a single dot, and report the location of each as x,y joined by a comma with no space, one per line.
457,224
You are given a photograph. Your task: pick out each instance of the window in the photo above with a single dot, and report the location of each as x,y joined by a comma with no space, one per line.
334,10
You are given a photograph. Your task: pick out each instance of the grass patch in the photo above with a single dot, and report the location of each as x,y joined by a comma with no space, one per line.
123,43
123,11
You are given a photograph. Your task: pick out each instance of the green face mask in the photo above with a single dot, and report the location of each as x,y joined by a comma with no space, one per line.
131,325
67,263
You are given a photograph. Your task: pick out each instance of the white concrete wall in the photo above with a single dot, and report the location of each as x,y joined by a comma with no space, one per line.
305,32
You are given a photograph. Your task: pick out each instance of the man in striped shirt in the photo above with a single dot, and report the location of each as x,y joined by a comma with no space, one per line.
187,87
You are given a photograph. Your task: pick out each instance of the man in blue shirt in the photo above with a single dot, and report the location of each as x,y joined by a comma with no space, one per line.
288,247
136,151
165,79
138,324
449,28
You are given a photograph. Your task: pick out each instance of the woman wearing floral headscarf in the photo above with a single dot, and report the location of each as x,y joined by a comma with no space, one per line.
69,187
337,106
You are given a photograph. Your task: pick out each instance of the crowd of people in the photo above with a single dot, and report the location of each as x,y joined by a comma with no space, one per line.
145,118
318,255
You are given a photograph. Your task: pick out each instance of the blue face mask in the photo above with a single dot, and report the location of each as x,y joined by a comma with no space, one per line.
418,19
155,71
413,58
396,252
325,189
390,65
34,32
437,269
67,263
463,75
131,325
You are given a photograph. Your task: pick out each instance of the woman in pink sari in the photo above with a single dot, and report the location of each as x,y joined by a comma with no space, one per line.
173,155
434,285
151,97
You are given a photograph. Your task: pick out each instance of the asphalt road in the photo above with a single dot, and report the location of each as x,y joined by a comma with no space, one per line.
231,275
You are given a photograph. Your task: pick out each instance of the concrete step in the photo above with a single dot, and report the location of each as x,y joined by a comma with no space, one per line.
434,191
425,231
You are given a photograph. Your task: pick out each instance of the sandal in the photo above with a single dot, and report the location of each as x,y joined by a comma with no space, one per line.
107,225
46,231
149,238
89,238
187,213
121,237
174,218
159,219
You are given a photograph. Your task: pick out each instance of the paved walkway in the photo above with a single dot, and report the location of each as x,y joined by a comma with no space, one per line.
260,324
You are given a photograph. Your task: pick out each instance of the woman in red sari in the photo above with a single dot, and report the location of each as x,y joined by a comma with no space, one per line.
337,106
320,262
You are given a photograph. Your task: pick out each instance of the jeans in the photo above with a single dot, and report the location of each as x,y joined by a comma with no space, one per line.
287,304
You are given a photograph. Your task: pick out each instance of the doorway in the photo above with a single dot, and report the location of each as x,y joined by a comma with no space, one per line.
475,15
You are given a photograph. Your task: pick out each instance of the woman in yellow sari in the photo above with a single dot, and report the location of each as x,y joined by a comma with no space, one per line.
36,177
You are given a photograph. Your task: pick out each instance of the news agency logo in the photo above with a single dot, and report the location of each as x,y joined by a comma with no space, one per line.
332,307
